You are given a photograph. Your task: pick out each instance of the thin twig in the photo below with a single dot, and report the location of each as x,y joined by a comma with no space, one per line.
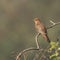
53,25
52,22
44,52
25,58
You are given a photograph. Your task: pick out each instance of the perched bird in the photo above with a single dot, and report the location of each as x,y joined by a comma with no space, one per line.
40,27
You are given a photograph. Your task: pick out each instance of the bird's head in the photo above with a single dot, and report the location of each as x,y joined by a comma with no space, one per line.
36,20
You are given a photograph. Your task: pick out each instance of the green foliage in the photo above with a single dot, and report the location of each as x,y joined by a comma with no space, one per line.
54,50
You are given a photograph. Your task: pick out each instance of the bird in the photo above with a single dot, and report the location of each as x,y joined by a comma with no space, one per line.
40,28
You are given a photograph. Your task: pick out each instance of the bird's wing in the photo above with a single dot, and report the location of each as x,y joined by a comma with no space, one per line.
43,28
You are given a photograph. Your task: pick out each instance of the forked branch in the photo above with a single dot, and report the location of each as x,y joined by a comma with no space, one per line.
22,52
37,43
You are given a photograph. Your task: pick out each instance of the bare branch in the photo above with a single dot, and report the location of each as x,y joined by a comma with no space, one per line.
54,24
44,52
36,38
22,52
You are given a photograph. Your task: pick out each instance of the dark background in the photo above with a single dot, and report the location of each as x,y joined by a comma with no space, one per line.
17,30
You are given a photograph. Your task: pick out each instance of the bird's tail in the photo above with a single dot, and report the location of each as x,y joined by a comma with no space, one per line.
46,38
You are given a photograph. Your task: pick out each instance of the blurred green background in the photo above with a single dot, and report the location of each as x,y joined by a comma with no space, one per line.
17,30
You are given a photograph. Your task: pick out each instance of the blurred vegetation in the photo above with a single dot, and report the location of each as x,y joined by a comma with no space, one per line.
16,24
